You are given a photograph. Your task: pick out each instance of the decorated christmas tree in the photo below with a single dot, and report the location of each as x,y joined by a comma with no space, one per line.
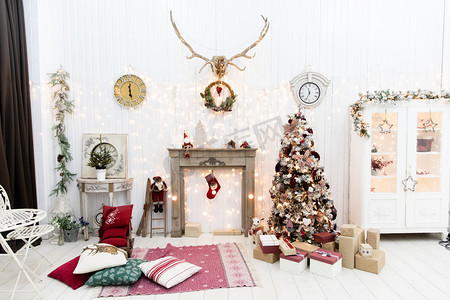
302,204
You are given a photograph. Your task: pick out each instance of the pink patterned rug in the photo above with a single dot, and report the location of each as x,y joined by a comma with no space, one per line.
223,266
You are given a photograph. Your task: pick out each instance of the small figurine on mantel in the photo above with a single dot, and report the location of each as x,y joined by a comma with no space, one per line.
245,145
186,145
159,189
231,145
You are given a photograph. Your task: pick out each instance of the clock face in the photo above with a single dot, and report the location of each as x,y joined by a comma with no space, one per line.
112,150
309,93
130,91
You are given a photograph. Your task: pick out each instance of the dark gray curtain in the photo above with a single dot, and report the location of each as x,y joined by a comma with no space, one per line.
16,136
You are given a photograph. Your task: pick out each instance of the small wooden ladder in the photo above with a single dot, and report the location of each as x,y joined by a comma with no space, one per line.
148,205
158,219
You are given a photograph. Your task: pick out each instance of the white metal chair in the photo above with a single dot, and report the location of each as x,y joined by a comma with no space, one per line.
28,235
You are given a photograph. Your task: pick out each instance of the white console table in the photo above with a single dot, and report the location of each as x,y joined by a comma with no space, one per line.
109,186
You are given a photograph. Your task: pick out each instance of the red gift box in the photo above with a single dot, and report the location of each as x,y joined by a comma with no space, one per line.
324,237
326,256
298,257
269,244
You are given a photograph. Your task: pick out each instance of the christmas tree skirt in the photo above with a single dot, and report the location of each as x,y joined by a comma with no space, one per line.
223,266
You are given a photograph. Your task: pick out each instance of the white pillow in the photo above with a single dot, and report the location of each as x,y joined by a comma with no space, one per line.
97,257
168,271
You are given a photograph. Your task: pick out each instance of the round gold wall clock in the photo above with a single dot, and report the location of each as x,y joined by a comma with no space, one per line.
130,91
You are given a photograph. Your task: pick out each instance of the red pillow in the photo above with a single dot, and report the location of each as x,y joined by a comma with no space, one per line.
118,242
64,273
116,216
120,232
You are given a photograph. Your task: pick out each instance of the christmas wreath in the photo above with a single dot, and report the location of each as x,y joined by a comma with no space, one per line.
210,99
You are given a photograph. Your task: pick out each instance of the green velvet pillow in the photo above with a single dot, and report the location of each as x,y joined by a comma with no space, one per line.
121,275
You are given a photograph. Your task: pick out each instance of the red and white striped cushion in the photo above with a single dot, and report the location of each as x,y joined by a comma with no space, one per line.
168,271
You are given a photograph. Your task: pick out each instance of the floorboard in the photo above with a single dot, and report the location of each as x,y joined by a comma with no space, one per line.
416,268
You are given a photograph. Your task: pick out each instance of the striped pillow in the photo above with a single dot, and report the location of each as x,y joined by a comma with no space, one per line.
168,271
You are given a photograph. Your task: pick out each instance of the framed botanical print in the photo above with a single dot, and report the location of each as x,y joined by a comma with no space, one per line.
117,147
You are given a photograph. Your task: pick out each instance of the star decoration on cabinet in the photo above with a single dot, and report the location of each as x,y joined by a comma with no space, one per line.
385,127
409,184
429,124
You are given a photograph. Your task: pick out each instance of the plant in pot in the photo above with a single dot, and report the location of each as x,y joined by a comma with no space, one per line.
378,165
100,158
68,226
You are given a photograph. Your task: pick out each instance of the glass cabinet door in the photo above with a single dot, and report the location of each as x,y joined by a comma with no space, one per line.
383,158
428,152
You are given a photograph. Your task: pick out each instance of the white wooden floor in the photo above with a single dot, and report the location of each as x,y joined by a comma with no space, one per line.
417,267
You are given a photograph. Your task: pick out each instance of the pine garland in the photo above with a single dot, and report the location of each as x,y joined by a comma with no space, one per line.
62,106
387,96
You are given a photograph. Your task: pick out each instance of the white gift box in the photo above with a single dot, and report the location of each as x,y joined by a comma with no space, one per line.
269,240
326,269
295,264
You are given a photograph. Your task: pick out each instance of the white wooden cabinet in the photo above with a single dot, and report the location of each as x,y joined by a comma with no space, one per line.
388,198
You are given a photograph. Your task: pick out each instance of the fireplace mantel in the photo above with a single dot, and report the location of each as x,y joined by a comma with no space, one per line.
207,159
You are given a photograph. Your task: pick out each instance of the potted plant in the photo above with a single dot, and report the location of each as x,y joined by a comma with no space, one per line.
68,226
99,159
378,164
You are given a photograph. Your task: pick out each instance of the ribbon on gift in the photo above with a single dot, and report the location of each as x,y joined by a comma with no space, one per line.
323,253
299,254
288,244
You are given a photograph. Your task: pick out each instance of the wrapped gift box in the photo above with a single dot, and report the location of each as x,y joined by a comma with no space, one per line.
325,263
287,248
227,232
192,229
348,230
365,250
324,237
348,247
372,264
270,258
302,246
329,246
269,244
360,233
296,263
373,238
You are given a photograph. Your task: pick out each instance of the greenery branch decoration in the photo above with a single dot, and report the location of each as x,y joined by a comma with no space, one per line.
210,101
62,106
388,97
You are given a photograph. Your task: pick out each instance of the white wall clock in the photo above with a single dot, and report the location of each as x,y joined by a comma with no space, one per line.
309,88
116,143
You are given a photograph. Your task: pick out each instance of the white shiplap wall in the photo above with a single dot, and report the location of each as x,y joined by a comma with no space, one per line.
359,45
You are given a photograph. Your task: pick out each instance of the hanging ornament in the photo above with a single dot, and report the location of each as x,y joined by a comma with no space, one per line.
211,97
186,145
213,185
409,184
385,126
429,124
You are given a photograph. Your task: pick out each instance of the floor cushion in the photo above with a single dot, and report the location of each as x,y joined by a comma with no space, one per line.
119,232
116,216
121,275
168,271
96,257
64,273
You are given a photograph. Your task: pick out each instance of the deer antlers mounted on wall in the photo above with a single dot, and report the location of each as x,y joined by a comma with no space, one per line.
220,63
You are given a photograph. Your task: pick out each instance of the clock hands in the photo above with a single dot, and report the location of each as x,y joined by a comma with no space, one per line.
129,90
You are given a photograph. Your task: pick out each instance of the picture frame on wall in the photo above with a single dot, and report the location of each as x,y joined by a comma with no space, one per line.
116,143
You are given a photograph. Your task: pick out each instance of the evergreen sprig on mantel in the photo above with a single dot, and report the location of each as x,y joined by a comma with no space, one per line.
62,106
388,97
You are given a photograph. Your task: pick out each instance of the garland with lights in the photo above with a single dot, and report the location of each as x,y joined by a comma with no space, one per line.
390,97
210,101
62,106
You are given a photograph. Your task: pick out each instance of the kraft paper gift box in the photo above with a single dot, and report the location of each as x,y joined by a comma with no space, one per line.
348,247
325,263
270,258
192,229
329,246
269,244
324,237
365,250
348,230
361,235
294,263
373,238
287,248
302,246
372,264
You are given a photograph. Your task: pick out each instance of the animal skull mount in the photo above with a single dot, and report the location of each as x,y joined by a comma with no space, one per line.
219,64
